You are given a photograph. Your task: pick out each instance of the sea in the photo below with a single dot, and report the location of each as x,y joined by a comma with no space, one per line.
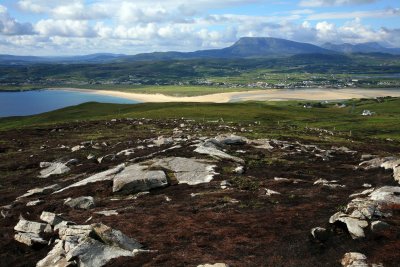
23,103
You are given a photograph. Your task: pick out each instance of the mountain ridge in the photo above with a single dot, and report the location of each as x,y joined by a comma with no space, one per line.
245,47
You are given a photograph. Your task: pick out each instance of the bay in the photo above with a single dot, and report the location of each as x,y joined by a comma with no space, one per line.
39,101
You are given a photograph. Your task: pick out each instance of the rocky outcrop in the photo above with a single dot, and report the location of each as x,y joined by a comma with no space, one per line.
80,202
51,218
137,178
355,226
29,232
376,163
32,227
115,238
360,212
41,191
331,184
230,140
186,170
211,150
54,168
102,176
82,245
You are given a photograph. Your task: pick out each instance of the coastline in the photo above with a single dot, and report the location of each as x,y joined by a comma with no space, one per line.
312,94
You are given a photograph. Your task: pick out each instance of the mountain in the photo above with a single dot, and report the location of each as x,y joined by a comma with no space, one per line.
92,58
247,47
371,47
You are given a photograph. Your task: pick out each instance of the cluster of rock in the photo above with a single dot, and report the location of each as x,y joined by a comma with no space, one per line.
140,177
368,210
355,259
83,245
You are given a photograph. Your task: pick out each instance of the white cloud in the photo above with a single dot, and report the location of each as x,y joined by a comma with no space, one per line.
319,3
390,12
133,26
10,26
66,28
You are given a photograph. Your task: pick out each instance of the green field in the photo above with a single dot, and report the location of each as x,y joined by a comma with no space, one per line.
276,118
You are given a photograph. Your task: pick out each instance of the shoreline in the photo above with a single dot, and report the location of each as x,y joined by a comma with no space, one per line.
312,94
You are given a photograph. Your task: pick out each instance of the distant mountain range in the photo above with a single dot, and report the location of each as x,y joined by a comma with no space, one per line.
361,48
247,47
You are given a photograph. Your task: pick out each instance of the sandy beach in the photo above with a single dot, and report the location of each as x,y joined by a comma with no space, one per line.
257,95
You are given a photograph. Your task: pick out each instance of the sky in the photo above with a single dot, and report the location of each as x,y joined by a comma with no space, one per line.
77,27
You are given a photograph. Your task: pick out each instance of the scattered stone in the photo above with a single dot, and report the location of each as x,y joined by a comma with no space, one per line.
74,233
212,151
160,141
77,148
29,239
354,259
239,170
126,152
186,170
136,178
32,227
225,184
391,164
90,157
109,157
331,184
230,140
367,185
91,252
386,195
102,176
363,193
55,258
262,144
115,238
375,163
107,212
53,168
320,234
80,202
361,210
295,181
365,157
354,226
344,150
34,203
269,192
378,226
51,218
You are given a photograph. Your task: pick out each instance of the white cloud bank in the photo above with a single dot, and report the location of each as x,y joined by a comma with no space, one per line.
75,27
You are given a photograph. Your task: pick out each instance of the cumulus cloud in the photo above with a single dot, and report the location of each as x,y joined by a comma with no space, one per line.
134,26
389,12
319,3
66,28
10,26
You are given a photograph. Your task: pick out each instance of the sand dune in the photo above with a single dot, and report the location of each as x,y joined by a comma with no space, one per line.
258,95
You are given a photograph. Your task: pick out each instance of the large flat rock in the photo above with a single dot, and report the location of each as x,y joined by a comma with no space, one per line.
137,178
187,170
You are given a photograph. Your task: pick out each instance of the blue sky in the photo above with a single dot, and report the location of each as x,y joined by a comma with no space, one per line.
71,27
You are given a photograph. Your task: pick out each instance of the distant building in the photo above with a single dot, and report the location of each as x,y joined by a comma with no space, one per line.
367,113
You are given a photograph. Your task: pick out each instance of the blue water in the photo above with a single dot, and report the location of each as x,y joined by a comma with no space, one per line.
35,102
